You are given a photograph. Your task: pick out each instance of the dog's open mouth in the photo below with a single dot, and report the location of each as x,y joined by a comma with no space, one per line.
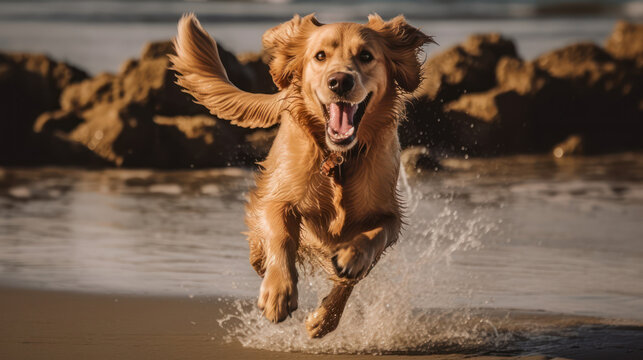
343,120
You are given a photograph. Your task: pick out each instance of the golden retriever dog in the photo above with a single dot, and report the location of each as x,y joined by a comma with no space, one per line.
326,192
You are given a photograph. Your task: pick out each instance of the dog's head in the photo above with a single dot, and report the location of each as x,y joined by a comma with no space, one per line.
347,74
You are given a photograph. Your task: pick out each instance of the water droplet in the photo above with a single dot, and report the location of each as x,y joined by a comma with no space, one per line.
558,152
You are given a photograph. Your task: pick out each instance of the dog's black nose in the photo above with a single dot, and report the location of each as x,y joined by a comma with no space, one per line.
341,83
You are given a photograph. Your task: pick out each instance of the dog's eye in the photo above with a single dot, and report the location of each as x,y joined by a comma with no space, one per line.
320,56
365,56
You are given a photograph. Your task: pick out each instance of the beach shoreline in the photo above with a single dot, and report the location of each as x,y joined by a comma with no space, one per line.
41,324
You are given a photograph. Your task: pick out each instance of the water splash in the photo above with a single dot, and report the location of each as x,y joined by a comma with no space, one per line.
410,303
412,196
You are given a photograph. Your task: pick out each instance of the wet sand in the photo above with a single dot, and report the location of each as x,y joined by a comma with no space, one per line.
64,325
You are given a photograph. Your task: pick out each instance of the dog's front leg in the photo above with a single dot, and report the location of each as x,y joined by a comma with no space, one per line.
326,317
353,259
278,293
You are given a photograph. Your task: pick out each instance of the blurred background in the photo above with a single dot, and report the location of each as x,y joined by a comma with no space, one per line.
507,77
99,35
522,173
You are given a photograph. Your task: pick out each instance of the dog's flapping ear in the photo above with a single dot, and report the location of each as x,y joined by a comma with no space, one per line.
402,44
285,45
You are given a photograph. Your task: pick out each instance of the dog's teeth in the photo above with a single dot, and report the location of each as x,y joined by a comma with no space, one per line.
335,136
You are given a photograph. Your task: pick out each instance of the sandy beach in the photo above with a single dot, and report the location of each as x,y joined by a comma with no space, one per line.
65,325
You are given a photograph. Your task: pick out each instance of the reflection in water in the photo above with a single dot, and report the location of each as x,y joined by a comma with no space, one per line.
125,231
527,233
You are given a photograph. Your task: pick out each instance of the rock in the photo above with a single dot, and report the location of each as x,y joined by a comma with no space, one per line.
481,106
198,141
56,75
257,144
157,50
57,149
257,64
582,62
477,98
626,42
193,127
595,95
151,84
417,159
127,66
525,78
239,74
578,89
29,85
106,124
85,94
489,123
573,145
51,122
426,124
140,117
591,70
465,68
498,120
148,81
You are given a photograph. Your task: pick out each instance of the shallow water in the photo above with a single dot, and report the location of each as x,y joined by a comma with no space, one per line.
527,233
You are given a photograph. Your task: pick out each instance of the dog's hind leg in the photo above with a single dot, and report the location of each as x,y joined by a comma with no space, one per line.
355,258
326,317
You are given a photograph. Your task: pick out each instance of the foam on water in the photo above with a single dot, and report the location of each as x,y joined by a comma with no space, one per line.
395,308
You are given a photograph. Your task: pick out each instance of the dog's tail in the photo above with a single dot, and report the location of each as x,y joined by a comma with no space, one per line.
202,75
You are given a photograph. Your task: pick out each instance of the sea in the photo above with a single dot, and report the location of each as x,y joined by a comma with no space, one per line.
495,252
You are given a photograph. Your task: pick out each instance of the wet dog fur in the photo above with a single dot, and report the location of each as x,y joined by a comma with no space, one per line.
341,89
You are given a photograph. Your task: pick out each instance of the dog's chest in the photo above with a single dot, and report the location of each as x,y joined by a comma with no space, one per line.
332,207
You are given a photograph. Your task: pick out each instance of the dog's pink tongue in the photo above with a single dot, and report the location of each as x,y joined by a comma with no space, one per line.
341,117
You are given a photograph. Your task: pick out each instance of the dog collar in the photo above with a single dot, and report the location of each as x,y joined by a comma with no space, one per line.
330,163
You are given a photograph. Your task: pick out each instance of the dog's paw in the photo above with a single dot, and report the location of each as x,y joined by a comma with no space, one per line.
277,296
352,260
321,322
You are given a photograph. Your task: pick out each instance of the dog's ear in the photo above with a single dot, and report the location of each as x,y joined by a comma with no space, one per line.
402,43
285,44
